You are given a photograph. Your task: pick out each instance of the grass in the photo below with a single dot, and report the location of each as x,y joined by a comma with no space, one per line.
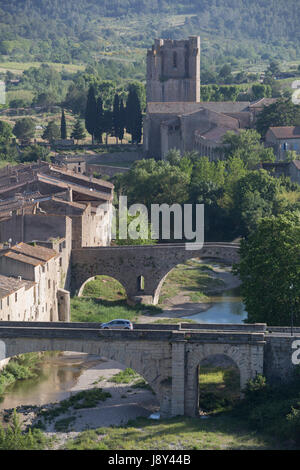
125,376
129,376
84,399
104,299
21,66
219,388
191,278
104,287
217,433
101,311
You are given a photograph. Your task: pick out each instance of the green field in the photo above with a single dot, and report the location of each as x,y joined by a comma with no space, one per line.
19,67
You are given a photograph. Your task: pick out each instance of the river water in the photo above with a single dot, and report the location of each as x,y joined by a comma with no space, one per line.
227,307
58,374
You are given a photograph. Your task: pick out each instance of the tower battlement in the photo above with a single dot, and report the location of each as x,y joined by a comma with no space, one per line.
173,70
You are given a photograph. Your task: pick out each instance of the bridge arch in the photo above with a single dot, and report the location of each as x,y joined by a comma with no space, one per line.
197,353
146,363
101,278
213,257
231,375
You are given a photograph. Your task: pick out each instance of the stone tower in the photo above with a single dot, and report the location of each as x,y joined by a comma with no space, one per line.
173,70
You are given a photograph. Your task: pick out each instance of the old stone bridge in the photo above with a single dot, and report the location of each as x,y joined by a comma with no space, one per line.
142,269
167,356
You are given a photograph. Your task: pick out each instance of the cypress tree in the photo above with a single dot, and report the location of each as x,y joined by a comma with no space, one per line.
134,120
91,113
63,126
99,121
78,131
122,121
116,117
107,123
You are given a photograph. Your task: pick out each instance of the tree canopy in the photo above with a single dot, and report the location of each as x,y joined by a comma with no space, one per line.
270,270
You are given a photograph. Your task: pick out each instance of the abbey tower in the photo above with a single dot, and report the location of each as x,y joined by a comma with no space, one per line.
173,70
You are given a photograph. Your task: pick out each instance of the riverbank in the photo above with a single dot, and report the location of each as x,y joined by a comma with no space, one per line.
183,303
118,402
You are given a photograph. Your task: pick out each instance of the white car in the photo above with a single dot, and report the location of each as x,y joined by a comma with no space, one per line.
117,325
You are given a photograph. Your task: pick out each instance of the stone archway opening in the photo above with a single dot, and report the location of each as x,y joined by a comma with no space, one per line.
191,281
218,384
103,287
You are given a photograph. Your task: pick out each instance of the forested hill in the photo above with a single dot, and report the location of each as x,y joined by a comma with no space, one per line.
83,30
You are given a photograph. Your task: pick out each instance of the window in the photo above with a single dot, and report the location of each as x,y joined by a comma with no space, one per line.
175,60
16,297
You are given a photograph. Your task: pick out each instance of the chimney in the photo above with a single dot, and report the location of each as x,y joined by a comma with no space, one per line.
70,194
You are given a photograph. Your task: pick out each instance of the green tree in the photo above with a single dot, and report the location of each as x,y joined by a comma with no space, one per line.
78,131
281,113
122,120
247,146
134,120
91,113
33,153
63,125
24,129
99,120
256,195
116,117
269,269
51,132
261,91
5,132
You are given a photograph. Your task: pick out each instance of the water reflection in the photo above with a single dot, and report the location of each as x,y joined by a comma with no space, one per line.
55,378
227,308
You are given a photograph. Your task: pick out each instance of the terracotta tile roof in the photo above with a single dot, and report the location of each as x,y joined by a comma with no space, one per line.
216,134
87,179
75,187
286,132
297,164
38,252
263,102
9,285
22,258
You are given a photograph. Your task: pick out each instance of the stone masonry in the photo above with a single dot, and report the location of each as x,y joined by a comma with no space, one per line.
167,356
129,264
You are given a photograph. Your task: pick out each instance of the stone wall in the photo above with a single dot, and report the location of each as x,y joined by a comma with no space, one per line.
278,365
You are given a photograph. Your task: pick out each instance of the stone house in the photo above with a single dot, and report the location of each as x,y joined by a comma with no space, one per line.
283,139
38,265
16,299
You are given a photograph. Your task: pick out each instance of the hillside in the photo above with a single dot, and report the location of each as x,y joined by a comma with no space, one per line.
84,31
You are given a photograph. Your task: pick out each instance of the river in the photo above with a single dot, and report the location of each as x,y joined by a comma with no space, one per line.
227,307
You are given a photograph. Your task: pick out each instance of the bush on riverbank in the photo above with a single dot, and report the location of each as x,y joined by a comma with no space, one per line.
272,409
13,438
19,368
